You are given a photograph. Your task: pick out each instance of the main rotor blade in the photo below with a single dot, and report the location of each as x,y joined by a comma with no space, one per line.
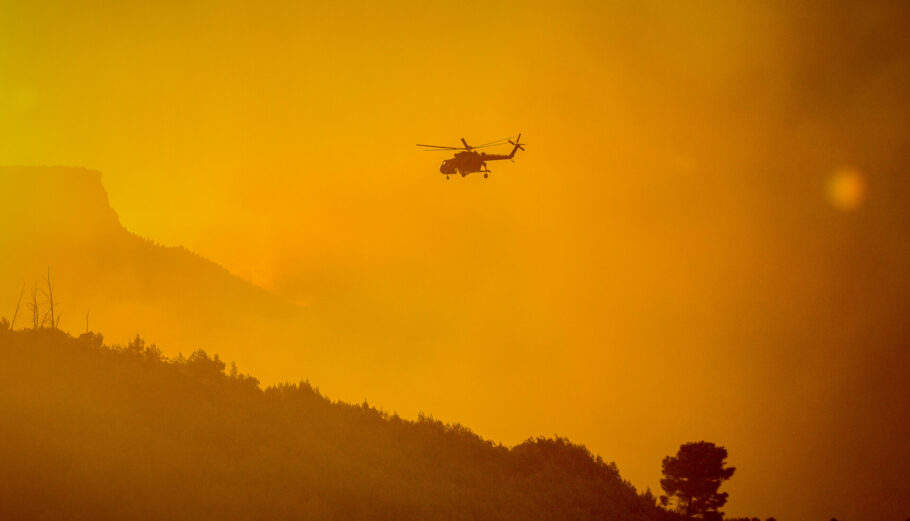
494,143
439,147
446,149
498,142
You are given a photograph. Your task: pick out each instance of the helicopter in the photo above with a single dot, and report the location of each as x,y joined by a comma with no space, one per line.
468,161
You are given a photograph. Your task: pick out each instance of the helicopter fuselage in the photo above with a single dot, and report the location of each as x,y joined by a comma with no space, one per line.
469,162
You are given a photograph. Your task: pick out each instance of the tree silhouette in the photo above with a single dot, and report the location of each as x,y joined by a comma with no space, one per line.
692,479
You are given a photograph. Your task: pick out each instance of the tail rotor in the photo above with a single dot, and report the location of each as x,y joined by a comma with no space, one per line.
517,143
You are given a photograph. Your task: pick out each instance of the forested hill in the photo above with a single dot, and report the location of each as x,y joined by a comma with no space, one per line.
95,432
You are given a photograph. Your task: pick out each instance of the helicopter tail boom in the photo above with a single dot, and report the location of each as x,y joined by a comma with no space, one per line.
516,145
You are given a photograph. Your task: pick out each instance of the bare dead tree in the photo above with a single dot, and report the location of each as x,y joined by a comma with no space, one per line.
34,305
39,318
50,315
86,319
50,297
16,313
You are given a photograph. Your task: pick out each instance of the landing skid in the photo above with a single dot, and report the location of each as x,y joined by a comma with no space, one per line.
486,173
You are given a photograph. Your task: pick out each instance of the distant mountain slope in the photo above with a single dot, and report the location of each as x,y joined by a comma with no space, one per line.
90,432
60,218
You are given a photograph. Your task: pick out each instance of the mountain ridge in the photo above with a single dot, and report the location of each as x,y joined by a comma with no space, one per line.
59,219
33,180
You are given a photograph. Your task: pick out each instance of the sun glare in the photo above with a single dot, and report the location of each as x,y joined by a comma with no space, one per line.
846,189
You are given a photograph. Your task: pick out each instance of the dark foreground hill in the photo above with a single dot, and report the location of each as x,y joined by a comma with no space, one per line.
92,432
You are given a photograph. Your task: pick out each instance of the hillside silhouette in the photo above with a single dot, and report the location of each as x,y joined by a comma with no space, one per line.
59,218
97,432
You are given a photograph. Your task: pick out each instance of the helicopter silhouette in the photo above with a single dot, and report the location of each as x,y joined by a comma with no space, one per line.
469,161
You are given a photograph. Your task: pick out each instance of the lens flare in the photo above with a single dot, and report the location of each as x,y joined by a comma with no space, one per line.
846,189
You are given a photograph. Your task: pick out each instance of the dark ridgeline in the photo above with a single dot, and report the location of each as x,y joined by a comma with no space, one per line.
92,432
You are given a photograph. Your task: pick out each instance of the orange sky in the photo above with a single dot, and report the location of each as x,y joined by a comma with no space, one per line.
706,238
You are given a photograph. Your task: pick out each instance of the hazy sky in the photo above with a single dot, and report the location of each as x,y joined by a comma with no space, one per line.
706,238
